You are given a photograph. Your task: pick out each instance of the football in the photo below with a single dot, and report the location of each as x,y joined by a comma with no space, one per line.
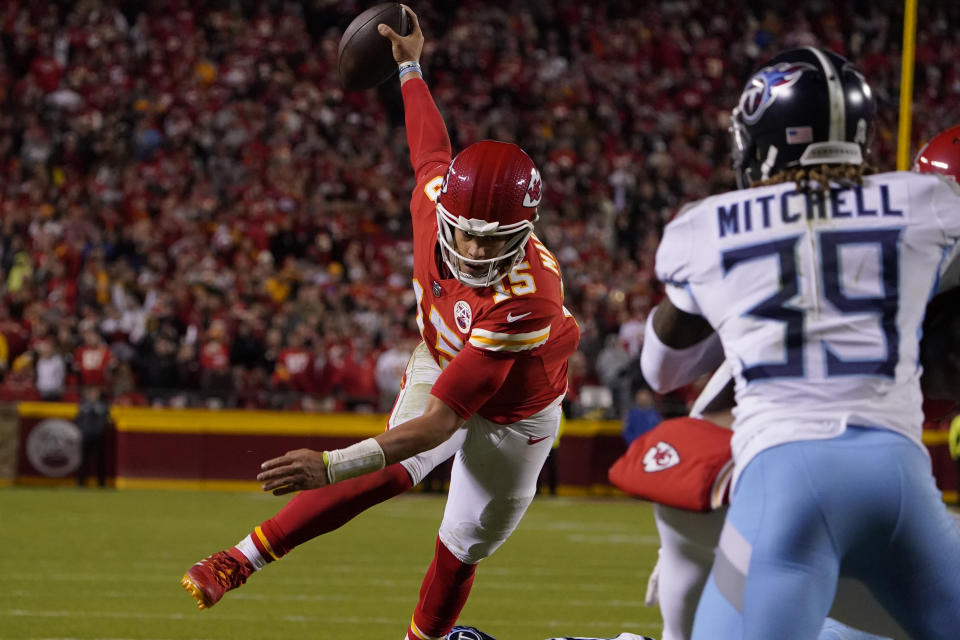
365,58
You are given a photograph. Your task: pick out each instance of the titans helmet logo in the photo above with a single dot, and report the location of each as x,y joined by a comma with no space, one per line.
467,633
766,84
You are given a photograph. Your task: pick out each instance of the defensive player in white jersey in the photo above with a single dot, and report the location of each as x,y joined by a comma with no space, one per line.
688,492
815,278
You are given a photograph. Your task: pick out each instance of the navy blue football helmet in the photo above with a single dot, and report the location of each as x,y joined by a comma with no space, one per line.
467,633
802,107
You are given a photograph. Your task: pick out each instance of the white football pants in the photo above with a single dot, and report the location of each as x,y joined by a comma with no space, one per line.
494,474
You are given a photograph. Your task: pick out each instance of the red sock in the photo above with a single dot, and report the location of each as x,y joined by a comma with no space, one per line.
318,511
442,595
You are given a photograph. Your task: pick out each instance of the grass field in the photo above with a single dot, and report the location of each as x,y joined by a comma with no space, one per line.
87,563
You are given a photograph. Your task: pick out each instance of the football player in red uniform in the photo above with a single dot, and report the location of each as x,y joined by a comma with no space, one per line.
485,384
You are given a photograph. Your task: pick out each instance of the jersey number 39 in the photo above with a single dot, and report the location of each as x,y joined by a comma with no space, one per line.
776,307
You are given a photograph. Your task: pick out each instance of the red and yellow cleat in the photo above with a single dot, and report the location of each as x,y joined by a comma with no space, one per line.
213,576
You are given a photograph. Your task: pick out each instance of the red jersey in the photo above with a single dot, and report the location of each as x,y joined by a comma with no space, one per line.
214,356
297,363
518,326
93,363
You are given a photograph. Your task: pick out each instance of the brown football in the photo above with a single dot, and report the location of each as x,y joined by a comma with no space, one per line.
365,58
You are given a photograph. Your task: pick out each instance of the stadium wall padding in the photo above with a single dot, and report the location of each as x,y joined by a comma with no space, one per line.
223,449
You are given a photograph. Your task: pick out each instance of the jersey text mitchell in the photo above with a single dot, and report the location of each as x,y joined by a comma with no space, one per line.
794,206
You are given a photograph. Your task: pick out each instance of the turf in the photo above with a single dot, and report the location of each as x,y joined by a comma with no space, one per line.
87,563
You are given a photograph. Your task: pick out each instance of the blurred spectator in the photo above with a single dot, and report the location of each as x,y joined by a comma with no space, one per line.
191,371
51,370
151,185
273,345
20,273
633,326
124,392
215,373
576,379
93,417
642,417
389,372
158,370
613,370
360,392
334,373
15,335
93,360
20,384
247,349
293,369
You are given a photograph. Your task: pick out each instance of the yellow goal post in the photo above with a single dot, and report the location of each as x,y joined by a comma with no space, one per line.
906,84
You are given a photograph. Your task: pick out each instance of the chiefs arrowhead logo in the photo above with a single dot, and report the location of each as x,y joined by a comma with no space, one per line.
534,189
659,457
463,315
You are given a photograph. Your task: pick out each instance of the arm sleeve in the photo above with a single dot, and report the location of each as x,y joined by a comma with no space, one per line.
666,369
426,132
470,380
520,324
682,298
673,264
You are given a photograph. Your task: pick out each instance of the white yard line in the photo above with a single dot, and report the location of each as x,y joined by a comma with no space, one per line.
69,638
47,613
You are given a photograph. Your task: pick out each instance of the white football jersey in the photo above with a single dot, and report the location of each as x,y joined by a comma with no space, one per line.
818,300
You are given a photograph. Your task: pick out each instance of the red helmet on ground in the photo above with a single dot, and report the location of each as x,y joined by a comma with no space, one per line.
941,154
491,189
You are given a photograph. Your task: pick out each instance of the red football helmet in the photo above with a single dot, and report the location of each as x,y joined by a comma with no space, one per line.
941,154
491,189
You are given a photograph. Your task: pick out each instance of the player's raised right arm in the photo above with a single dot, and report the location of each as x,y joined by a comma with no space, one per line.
426,133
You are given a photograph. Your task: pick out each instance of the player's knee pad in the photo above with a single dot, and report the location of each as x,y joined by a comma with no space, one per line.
411,401
410,404
474,540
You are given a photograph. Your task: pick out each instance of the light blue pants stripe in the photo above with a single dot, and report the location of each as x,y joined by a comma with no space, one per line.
863,504
833,630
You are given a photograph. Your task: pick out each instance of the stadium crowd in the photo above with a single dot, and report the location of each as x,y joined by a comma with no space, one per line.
194,211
